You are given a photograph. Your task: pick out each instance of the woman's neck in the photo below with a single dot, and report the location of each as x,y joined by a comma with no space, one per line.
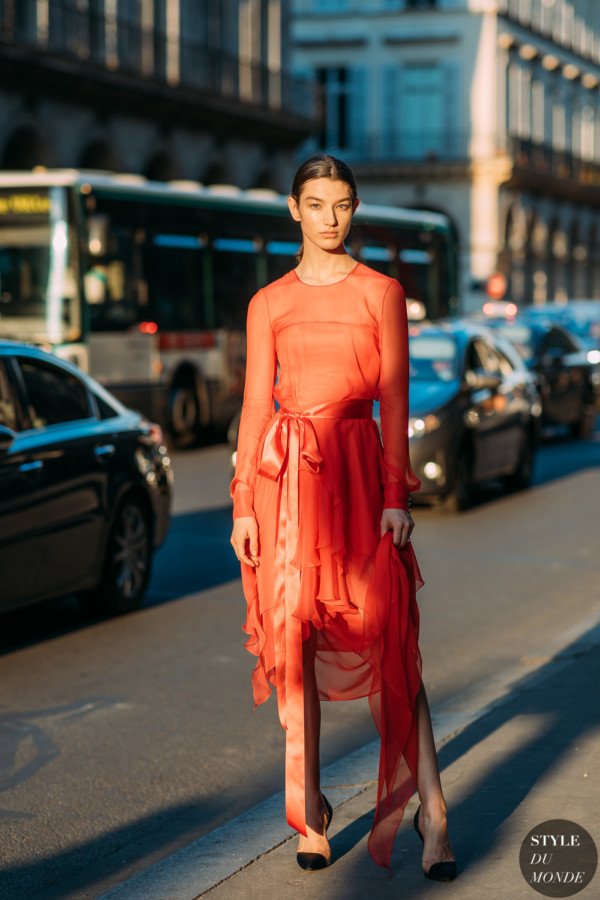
323,267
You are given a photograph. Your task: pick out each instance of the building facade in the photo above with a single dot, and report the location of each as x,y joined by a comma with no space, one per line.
488,110
170,89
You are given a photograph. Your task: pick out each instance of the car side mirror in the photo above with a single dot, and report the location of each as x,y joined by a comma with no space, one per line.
477,381
7,436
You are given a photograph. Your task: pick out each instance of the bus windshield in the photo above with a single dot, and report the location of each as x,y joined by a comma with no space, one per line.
39,296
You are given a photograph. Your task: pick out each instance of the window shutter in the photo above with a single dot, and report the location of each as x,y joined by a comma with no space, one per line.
454,138
390,118
359,119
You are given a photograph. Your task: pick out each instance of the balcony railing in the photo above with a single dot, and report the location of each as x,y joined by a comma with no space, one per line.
405,147
122,45
542,159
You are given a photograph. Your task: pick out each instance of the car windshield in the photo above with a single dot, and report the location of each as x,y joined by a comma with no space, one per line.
520,335
433,357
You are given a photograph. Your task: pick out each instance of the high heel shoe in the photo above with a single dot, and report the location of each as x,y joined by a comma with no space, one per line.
313,861
440,871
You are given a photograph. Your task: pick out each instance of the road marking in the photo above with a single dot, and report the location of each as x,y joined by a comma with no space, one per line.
191,872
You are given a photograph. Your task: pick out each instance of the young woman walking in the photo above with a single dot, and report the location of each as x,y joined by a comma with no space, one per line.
322,523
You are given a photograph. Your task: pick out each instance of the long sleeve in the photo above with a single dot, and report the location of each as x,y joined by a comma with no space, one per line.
399,479
258,405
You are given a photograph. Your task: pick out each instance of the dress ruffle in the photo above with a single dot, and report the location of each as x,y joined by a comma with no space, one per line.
356,588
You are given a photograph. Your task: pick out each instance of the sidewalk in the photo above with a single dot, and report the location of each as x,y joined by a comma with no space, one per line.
532,758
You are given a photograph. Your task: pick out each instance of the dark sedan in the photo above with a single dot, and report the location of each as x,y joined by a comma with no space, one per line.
474,412
567,377
85,487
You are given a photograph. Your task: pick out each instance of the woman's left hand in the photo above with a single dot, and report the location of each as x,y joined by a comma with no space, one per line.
400,523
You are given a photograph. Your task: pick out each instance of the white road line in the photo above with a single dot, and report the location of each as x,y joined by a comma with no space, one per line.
194,870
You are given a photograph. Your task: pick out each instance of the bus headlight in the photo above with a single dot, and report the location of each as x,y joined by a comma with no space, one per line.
419,426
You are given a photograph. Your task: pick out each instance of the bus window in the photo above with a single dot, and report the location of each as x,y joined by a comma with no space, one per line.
173,265
109,282
281,257
235,273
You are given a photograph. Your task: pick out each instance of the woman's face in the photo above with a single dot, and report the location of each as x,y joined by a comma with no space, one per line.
324,210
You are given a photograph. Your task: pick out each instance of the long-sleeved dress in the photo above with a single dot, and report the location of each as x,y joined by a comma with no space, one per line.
316,476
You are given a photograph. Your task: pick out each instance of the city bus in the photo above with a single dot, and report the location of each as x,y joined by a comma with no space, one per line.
146,284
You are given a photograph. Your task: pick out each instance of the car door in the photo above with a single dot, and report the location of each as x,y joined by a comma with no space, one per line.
20,490
563,375
516,391
487,415
68,455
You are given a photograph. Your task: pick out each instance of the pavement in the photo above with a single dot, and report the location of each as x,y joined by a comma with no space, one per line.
525,754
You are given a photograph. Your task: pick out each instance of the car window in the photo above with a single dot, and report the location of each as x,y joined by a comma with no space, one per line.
556,339
8,407
53,394
481,358
506,365
105,410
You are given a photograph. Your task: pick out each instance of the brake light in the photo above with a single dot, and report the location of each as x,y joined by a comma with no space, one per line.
148,327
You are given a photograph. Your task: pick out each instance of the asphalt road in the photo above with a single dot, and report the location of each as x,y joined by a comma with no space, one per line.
123,740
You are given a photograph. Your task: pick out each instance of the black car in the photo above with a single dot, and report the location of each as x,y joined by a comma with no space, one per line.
567,378
474,412
85,487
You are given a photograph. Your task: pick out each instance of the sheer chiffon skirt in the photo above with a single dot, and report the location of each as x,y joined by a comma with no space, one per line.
356,589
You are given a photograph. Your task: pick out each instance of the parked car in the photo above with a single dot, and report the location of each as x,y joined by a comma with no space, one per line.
85,487
474,412
580,317
567,378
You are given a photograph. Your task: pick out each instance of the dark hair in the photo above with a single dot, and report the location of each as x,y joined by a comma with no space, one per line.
322,166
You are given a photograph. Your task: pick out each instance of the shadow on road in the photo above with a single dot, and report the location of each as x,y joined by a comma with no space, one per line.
561,699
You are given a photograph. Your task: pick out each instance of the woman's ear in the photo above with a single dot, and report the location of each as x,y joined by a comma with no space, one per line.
293,207
355,205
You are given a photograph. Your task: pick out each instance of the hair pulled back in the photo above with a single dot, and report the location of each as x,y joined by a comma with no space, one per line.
322,166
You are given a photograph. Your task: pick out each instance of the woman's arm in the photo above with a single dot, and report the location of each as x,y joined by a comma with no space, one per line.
258,406
399,479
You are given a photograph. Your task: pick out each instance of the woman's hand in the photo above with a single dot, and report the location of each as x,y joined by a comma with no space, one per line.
398,521
245,529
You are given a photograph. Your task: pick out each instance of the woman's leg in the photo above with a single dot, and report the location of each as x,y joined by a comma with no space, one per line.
432,818
315,842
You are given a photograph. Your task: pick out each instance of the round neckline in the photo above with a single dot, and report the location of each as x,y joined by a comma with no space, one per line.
331,283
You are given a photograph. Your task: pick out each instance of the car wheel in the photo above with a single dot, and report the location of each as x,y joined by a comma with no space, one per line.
460,496
521,478
127,563
184,418
583,429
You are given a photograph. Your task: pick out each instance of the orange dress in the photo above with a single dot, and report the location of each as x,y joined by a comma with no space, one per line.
315,474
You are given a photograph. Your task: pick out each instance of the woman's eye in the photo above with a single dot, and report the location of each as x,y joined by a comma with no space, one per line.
314,205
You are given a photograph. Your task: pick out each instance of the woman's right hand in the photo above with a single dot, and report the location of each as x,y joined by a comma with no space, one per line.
245,530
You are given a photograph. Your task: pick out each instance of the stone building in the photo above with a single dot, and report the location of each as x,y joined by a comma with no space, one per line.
169,89
486,109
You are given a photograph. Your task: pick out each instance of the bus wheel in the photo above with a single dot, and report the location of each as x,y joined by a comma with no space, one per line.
184,419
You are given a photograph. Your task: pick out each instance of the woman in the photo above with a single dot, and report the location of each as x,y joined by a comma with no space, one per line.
322,524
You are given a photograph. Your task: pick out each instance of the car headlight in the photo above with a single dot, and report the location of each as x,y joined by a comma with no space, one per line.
420,425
